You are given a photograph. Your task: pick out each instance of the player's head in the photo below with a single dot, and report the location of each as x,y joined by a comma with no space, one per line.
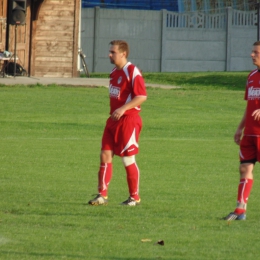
122,46
118,52
255,54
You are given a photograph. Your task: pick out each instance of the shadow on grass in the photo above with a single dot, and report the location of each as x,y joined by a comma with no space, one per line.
198,80
21,255
230,82
65,210
131,258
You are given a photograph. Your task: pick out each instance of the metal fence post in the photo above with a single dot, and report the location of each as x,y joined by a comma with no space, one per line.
228,38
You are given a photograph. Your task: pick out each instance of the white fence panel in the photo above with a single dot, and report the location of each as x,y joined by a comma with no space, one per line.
163,41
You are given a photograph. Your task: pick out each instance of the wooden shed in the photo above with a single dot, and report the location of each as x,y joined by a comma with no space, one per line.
47,44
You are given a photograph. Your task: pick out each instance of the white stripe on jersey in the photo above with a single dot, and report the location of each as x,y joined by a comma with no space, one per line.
135,73
126,70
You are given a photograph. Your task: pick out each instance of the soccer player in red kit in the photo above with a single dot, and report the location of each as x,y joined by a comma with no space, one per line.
247,136
121,134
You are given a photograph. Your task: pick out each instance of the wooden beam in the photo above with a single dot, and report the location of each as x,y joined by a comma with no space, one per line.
75,72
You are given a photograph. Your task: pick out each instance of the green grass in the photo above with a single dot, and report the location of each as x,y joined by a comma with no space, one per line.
49,157
201,80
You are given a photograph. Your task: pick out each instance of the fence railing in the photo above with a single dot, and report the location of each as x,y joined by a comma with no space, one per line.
210,21
240,18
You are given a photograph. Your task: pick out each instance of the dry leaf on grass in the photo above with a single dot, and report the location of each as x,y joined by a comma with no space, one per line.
146,240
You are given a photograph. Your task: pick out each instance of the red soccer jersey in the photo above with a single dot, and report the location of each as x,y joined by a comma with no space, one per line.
124,85
252,95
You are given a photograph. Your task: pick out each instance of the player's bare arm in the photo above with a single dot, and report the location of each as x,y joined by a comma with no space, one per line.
239,131
136,101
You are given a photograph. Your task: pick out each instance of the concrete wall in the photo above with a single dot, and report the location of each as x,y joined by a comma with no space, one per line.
141,29
163,41
194,50
241,42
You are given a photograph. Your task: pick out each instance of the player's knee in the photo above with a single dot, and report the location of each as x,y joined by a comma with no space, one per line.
106,156
246,170
128,160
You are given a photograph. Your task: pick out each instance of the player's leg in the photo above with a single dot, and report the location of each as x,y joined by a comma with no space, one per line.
244,187
133,176
247,150
127,147
105,172
104,178
105,168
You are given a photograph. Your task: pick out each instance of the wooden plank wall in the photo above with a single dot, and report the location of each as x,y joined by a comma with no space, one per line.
3,24
56,39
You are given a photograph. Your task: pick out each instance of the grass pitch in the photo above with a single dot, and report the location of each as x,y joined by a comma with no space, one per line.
49,158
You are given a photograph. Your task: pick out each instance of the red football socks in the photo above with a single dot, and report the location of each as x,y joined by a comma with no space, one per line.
132,172
244,189
104,177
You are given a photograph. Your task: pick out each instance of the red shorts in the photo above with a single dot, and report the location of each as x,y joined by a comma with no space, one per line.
122,136
250,149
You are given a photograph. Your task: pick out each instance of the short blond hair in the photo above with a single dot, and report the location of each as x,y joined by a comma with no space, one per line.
122,46
256,43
